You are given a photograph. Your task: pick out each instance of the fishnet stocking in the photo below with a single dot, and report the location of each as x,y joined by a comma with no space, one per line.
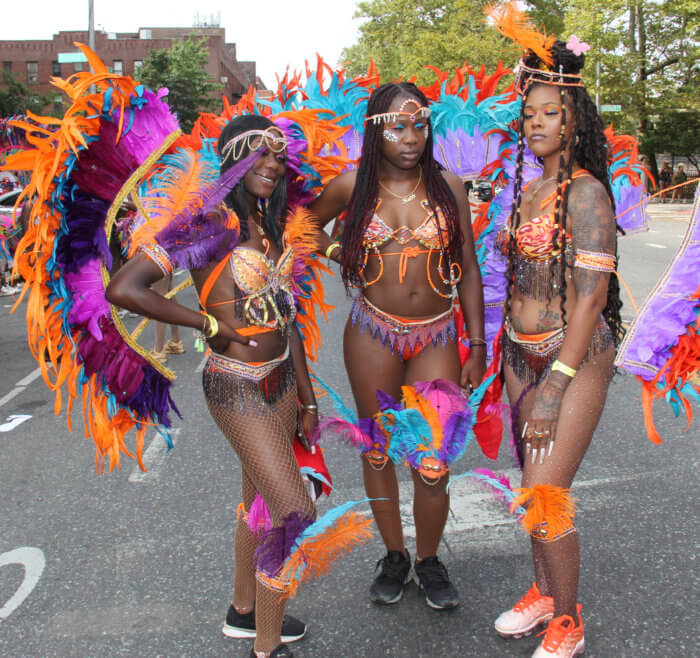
263,441
245,544
557,563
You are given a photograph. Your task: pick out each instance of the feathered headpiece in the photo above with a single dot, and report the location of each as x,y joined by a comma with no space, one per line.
539,62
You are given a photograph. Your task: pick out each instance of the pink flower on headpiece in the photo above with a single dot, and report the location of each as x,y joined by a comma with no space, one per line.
577,47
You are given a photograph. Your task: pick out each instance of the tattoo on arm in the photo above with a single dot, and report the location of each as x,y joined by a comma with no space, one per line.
593,228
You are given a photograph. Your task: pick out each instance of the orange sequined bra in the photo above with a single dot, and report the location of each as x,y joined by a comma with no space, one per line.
539,244
432,235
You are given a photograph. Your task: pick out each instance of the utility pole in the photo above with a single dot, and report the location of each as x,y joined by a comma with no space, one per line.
91,25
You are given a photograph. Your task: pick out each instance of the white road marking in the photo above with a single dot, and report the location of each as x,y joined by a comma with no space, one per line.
153,458
473,507
13,421
657,246
20,386
33,561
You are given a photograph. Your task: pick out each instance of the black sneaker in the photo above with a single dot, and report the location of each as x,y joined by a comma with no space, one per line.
282,651
243,626
392,573
432,578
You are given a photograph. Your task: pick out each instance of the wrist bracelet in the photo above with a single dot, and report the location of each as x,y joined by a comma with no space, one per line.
562,367
331,248
213,326
477,341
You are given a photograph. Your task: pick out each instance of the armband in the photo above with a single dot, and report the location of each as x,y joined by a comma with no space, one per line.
595,260
159,256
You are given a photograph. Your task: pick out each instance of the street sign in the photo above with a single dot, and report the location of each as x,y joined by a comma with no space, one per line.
611,108
71,58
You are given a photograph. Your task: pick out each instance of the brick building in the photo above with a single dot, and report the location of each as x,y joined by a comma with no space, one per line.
34,62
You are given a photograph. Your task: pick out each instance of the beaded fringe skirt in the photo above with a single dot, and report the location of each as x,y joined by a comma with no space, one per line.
403,336
531,361
247,388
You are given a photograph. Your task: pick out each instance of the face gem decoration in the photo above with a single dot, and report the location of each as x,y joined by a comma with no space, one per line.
390,136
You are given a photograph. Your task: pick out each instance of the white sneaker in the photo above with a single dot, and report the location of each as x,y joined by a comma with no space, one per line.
563,638
526,615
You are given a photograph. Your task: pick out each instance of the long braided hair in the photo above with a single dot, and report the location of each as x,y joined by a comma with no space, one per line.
274,208
590,151
363,200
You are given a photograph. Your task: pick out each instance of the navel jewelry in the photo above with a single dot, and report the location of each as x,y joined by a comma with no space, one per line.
411,195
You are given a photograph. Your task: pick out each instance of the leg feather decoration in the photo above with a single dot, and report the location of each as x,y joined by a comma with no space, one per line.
302,549
549,511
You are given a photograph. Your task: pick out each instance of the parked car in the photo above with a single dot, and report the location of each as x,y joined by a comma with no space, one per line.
7,204
483,190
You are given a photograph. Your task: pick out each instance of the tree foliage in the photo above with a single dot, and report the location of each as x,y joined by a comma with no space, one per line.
17,98
402,37
182,69
649,54
648,50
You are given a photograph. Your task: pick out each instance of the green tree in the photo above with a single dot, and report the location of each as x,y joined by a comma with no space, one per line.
649,56
675,132
17,98
403,36
182,69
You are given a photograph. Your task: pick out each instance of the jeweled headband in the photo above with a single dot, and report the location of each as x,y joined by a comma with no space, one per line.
271,138
526,76
422,112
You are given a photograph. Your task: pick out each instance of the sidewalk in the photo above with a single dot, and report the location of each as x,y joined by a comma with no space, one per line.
673,211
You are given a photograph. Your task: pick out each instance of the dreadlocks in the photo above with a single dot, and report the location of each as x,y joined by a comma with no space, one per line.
589,150
364,197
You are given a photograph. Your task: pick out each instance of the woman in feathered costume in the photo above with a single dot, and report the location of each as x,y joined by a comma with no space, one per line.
225,214
562,318
407,245
248,261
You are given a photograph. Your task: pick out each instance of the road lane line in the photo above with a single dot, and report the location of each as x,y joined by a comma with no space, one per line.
154,457
20,386
202,363
29,378
657,246
33,561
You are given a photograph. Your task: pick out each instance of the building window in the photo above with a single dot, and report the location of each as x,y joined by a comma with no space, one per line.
7,67
55,68
77,67
138,63
32,73
118,67
145,33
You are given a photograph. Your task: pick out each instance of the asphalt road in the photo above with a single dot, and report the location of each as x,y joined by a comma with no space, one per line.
133,564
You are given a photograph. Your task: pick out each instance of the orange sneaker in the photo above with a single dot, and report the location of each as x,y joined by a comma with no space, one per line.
563,638
528,613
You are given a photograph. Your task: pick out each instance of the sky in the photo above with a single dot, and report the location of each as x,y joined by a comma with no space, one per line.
273,33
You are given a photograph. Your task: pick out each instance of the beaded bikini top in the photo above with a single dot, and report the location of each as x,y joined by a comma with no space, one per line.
427,234
432,235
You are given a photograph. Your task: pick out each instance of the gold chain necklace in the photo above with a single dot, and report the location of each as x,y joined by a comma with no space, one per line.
261,230
411,195
531,195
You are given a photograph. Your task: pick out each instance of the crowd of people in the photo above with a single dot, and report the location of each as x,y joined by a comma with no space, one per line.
406,251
